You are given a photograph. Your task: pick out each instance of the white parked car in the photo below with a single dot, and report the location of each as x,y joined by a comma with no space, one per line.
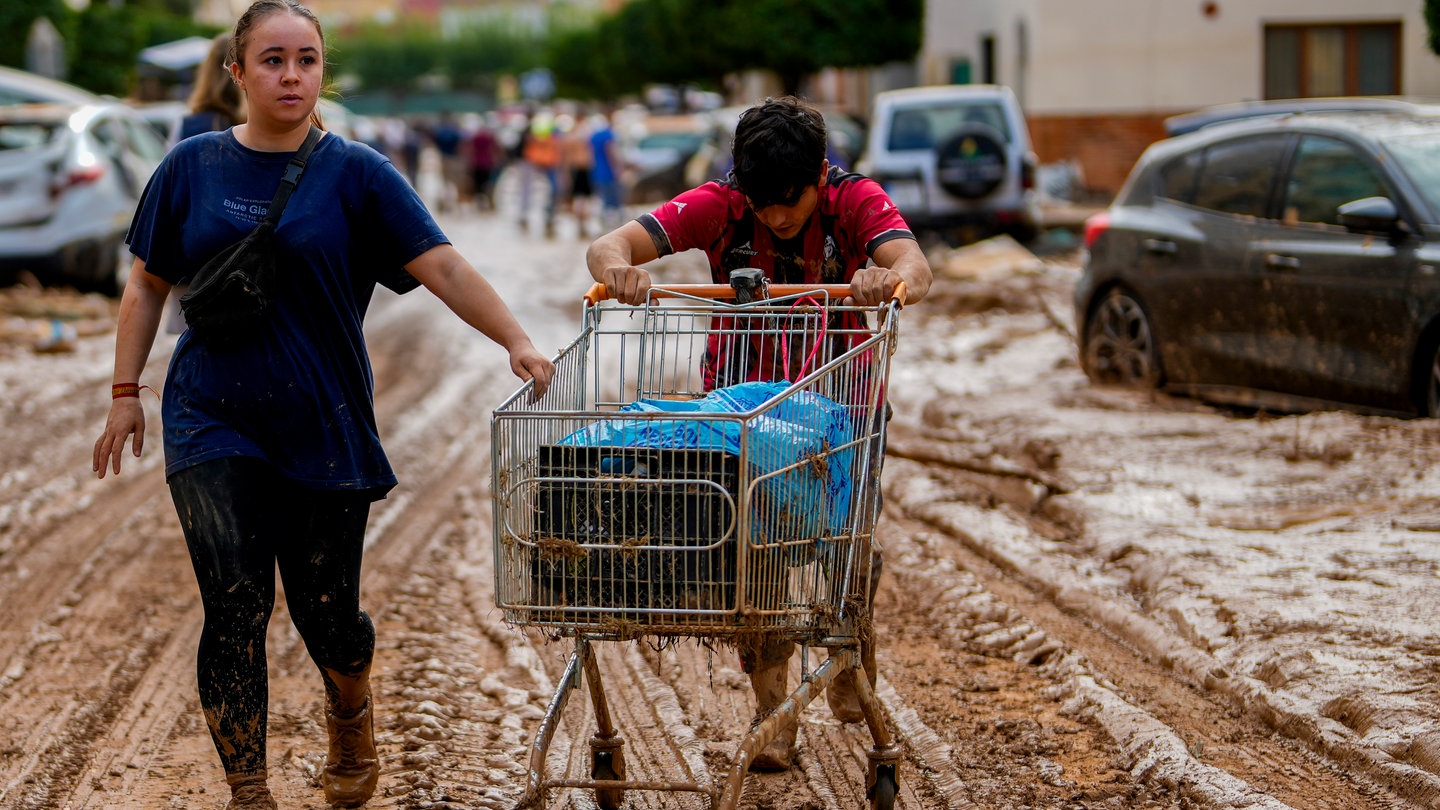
70,177
956,159
23,87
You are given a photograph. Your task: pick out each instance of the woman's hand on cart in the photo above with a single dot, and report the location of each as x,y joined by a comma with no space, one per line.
529,364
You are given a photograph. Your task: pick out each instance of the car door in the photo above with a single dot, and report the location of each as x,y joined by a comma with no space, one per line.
107,133
1342,298
1225,310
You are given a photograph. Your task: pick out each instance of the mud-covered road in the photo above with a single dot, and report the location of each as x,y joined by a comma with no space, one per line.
1092,599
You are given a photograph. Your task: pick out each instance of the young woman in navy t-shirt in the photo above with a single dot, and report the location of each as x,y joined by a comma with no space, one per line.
271,448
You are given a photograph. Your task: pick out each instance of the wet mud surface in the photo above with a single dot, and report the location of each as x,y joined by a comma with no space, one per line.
1092,598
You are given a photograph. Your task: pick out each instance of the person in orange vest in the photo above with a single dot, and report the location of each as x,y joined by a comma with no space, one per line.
542,152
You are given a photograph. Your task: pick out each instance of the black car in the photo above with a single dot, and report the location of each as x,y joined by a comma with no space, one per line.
1285,262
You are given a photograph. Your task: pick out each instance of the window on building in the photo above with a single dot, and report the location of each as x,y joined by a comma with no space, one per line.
1310,61
987,59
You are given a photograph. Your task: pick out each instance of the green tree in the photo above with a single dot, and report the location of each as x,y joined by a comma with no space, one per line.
395,59
1432,21
483,50
103,55
700,41
796,38
102,41
16,17
107,39
388,58
582,67
675,41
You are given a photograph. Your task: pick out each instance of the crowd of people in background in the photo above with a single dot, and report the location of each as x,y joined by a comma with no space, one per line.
539,166
556,163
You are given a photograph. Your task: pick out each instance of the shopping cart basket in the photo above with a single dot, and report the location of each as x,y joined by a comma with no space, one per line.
629,505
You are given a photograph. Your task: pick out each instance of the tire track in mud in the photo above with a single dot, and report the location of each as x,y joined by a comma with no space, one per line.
93,749
89,574
1195,743
114,653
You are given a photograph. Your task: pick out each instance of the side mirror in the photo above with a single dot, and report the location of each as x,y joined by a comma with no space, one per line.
1373,215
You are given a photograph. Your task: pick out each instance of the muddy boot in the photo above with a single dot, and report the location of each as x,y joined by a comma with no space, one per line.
844,703
352,768
771,687
248,791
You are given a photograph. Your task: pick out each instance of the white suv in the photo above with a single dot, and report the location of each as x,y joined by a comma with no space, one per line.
956,159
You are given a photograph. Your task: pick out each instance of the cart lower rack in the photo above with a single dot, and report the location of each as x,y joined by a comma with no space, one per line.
699,469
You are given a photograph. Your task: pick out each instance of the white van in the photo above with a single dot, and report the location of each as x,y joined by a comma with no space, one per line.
956,159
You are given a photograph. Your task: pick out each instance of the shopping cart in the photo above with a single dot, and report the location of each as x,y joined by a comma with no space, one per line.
628,506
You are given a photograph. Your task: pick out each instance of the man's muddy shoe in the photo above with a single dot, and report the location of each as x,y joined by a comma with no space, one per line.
353,767
770,683
779,755
844,703
248,791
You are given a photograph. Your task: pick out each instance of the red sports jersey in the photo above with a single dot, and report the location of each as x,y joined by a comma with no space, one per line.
852,218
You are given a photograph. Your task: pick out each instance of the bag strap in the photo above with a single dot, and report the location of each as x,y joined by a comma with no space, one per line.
291,178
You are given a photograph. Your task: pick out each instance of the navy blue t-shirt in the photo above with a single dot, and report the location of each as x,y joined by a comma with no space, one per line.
300,394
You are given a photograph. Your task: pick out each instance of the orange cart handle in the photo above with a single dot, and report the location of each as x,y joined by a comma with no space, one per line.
598,293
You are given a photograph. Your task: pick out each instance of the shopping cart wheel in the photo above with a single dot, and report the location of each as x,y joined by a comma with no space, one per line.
608,765
885,789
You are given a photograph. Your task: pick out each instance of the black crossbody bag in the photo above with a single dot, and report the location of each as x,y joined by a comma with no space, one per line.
230,294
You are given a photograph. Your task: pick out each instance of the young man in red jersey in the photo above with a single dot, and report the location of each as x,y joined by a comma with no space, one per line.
784,209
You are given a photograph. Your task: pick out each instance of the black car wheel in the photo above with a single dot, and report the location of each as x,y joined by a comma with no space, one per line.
1119,343
94,266
608,765
885,789
971,162
1430,384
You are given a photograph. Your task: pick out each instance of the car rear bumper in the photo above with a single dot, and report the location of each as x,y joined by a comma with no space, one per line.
997,219
44,255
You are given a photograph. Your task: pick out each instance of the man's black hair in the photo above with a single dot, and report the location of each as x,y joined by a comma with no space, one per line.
778,150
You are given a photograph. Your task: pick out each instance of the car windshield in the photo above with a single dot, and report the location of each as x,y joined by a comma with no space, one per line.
25,134
1418,155
927,127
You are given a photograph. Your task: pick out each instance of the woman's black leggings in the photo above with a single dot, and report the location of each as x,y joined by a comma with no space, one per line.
241,518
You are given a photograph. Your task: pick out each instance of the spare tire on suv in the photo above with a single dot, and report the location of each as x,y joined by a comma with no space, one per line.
956,160
971,162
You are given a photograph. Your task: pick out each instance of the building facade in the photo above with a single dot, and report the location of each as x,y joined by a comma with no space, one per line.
1098,78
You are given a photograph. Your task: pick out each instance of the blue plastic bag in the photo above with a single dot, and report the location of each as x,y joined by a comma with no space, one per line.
809,501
